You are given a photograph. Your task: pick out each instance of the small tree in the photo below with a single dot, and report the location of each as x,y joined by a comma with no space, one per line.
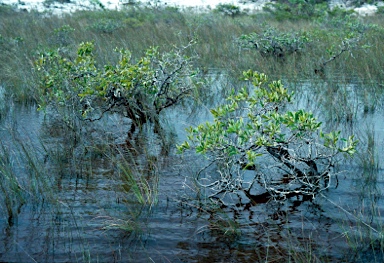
254,136
272,42
296,9
352,38
137,90
228,10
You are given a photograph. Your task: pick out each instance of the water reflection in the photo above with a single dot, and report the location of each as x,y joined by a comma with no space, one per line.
85,210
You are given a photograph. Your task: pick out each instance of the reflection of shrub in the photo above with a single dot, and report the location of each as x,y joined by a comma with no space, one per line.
228,9
256,144
274,43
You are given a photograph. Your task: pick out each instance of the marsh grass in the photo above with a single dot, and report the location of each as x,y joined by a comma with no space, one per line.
301,248
364,237
220,224
139,27
12,192
363,227
369,158
31,174
137,169
133,182
51,171
24,178
138,191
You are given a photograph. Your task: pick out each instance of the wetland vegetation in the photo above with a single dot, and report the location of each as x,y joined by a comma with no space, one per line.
156,134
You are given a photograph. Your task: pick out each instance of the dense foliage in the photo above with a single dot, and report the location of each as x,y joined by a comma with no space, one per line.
272,42
138,90
297,9
256,146
285,150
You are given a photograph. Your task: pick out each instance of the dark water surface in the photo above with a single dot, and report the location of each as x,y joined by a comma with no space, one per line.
82,213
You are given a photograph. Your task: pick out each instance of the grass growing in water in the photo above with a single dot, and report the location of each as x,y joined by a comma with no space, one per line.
140,27
217,48
138,190
12,193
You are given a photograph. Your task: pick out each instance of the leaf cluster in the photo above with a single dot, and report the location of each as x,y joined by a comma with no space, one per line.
254,130
139,90
272,42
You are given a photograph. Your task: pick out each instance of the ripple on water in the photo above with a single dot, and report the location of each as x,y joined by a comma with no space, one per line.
72,226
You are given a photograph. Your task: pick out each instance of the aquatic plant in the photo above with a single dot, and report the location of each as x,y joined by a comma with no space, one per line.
137,90
23,178
348,45
134,182
137,189
12,198
254,140
272,42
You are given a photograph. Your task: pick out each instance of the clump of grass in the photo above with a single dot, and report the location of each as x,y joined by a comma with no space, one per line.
138,190
368,161
23,177
301,248
363,229
369,158
365,237
133,182
12,193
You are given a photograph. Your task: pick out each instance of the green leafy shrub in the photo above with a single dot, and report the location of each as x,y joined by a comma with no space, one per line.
351,33
257,144
228,10
347,45
337,12
362,2
106,25
137,90
296,9
272,42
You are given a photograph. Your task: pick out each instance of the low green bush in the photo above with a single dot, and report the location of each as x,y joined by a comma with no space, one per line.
272,42
255,143
138,90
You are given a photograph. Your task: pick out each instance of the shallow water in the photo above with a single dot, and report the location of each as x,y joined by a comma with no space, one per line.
79,215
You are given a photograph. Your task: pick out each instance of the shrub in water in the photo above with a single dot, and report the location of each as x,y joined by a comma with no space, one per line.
255,142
